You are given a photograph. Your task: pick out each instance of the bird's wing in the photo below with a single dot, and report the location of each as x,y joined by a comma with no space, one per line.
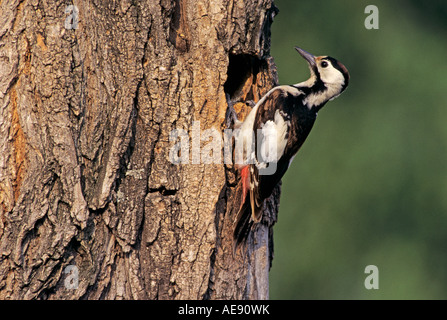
271,128
280,126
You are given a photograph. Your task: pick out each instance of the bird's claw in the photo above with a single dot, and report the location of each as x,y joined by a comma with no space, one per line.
250,103
230,115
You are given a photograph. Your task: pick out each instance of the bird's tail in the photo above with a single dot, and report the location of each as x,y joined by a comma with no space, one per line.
242,226
243,219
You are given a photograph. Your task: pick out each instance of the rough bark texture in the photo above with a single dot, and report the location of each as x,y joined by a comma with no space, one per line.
85,121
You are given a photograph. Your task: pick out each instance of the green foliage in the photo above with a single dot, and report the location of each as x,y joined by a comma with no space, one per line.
369,185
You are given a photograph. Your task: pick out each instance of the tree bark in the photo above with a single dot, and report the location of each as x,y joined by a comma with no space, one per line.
89,96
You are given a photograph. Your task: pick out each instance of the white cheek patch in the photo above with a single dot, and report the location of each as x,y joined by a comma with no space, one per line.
332,76
334,81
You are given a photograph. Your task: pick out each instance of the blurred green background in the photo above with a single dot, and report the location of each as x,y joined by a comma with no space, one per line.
369,186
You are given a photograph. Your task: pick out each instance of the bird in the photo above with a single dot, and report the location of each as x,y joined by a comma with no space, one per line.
267,141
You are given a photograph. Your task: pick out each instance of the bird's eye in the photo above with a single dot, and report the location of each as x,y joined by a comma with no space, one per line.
324,64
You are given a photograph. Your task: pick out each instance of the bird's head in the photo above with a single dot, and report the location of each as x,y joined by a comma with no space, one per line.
329,78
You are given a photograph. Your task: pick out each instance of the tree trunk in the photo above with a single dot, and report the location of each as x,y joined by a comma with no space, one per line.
91,204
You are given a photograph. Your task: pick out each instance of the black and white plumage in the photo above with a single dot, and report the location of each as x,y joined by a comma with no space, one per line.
276,128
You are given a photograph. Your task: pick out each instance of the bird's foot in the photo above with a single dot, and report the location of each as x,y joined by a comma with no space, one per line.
250,103
230,115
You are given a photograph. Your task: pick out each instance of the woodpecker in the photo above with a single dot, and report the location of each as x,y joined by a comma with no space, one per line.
274,131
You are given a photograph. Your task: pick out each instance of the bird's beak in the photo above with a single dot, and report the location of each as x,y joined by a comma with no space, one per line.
310,58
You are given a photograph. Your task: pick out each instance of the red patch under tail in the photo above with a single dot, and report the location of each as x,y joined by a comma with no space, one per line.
245,178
